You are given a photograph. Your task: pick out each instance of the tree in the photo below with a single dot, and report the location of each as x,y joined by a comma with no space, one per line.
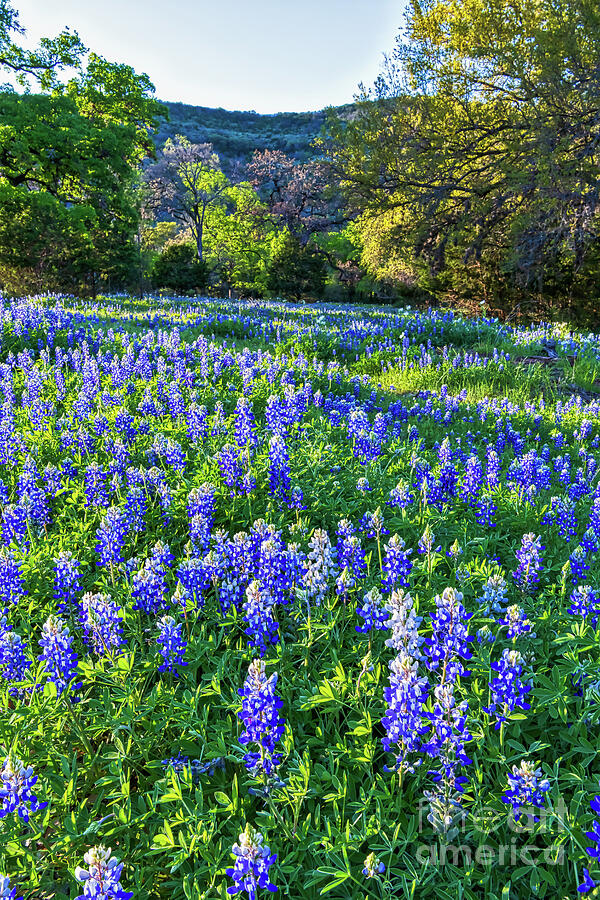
186,183
68,166
479,144
295,270
113,94
179,269
42,64
299,196
240,242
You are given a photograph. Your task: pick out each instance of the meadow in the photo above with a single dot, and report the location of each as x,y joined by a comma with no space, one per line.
296,597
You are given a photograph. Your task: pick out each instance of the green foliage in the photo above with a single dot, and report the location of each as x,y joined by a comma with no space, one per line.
294,269
472,161
178,269
41,64
68,167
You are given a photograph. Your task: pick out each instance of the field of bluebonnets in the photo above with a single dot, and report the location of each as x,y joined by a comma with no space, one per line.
296,598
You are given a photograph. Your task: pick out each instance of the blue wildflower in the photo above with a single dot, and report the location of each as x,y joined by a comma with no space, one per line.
101,878
252,863
16,795
526,787
59,657
102,621
171,643
260,717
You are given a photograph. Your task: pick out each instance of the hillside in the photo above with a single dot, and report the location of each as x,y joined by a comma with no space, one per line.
236,135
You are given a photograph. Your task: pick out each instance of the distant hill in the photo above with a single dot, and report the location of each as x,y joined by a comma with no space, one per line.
236,135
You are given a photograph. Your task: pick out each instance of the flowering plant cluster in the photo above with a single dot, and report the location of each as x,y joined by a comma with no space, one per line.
373,528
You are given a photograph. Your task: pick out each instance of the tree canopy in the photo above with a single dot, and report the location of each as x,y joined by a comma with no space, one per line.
69,160
478,145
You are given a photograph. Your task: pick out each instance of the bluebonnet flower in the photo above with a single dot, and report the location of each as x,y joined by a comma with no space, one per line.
586,603
494,595
263,627
594,852
296,499
485,513
102,621
455,550
59,657
404,624
375,617
16,795
230,465
350,557
162,491
362,485
196,767
403,720
101,878
245,424
516,623
275,575
321,565
15,525
14,662
372,523
579,564
175,400
194,579
448,733
485,635
171,643
590,542
52,480
218,423
197,423
67,580
373,866
161,558
526,788
450,638
174,455
149,589
95,486
111,537
276,415
201,514
588,883
507,689
426,542
135,509
562,513
12,588
493,468
253,861
260,716
594,520
400,496
530,565
396,563
279,467
247,484
473,480
6,892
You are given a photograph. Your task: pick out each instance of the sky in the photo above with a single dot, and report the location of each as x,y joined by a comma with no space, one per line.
265,55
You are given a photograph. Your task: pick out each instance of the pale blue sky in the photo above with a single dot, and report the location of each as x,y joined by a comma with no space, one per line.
267,55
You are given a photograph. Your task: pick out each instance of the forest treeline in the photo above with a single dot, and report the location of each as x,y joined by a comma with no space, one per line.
468,174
